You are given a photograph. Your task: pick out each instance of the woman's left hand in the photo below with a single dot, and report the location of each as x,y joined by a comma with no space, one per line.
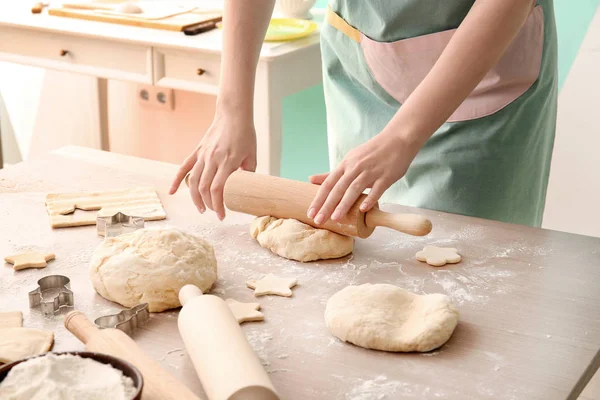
374,165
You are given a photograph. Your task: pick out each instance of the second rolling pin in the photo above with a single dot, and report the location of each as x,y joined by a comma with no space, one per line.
224,361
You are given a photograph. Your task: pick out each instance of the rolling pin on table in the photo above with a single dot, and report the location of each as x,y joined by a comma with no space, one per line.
528,298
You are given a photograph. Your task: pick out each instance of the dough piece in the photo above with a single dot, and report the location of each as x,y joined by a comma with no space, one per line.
129,8
139,202
151,266
438,256
32,259
245,312
271,284
386,317
11,319
18,343
295,240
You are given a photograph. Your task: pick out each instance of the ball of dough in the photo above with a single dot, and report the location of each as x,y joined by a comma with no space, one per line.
386,317
150,266
295,240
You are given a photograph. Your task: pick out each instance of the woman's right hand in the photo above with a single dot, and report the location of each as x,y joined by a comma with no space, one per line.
229,144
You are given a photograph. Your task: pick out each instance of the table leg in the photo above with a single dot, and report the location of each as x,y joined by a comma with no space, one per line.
268,121
103,113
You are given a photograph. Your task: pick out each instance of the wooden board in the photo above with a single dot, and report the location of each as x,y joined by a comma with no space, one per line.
528,298
137,202
174,23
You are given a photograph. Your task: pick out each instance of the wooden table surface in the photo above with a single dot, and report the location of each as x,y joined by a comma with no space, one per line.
529,299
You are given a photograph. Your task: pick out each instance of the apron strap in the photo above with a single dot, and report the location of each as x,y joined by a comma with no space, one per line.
338,23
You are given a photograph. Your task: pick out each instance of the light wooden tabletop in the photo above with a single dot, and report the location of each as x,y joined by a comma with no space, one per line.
18,14
529,298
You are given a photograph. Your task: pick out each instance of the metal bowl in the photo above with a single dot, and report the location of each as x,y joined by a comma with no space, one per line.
124,366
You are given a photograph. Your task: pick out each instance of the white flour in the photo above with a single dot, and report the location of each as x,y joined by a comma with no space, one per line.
66,377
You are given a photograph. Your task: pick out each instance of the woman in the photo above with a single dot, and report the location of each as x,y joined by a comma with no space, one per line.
446,105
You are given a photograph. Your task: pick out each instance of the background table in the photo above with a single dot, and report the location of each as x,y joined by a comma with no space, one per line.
529,298
162,58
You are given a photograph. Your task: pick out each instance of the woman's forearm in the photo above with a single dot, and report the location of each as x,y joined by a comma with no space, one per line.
244,26
475,48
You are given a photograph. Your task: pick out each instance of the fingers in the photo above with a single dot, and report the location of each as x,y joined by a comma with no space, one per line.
326,186
187,165
208,175
373,197
194,182
216,190
334,197
249,164
318,179
352,194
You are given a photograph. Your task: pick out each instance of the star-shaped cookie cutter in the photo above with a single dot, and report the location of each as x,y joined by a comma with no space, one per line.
127,320
117,224
64,298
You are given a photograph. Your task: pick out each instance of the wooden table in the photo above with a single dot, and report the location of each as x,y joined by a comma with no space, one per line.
162,58
529,298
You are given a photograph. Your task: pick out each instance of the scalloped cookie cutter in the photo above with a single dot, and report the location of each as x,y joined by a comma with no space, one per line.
64,298
127,320
118,224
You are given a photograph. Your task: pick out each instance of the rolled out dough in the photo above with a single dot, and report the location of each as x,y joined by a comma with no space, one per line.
18,343
151,266
11,319
295,240
389,318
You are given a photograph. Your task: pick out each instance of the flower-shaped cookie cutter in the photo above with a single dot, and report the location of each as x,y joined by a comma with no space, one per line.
118,224
127,320
64,298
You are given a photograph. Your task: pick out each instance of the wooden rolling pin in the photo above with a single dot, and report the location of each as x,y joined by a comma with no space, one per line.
158,383
259,195
223,358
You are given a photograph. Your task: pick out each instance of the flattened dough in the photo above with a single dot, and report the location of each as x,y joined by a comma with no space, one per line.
139,202
438,256
271,284
151,266
11,319
18,343
386,317
245,312
295,240
31,259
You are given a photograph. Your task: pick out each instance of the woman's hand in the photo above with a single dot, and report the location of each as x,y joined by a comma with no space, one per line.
229,144
376,164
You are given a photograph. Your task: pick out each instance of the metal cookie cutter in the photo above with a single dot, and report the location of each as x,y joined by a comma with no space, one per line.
117,224
127,320
64,298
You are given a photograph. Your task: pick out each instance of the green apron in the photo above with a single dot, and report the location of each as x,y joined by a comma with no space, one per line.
492,158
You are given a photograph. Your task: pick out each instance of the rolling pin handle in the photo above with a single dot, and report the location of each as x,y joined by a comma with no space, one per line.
188,292
79,325
411,224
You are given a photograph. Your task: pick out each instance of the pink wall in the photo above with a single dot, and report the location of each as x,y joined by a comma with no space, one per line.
149,132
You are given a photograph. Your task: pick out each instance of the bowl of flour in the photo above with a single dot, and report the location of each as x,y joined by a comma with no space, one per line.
70,376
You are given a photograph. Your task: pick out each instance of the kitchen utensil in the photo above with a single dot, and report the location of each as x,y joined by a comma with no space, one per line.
259,195
224,361
62,296
159,384
127,320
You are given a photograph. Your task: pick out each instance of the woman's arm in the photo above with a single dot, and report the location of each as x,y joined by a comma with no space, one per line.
478,44
230,142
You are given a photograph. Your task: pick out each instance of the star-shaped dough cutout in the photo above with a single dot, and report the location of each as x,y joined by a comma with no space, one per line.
245,312
32,259
438,256
271,284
